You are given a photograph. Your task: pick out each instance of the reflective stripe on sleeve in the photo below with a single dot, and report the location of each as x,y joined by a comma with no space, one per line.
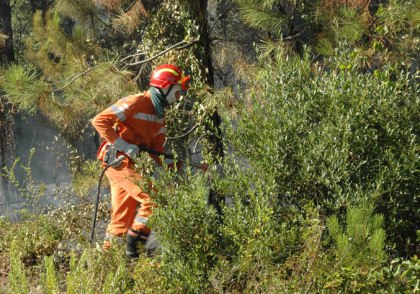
161,131
119,112
148,117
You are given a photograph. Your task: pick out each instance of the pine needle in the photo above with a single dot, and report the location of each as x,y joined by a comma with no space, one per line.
128,21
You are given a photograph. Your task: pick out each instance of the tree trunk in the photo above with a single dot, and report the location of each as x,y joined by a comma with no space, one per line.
7,52
215,137
7,122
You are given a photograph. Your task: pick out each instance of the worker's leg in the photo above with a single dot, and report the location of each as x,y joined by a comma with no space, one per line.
125,182
123,211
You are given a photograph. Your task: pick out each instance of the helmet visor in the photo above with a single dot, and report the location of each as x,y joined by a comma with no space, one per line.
185,82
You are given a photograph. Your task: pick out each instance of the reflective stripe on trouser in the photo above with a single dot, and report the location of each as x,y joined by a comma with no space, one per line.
125,195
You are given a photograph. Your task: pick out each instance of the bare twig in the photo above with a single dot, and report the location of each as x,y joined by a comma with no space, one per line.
132,56
75,78
220,17
198,141
183,135
178,46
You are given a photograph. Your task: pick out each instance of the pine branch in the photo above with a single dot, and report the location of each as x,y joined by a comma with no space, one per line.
129,20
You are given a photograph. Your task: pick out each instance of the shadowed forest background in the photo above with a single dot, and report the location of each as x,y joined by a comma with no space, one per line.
307,113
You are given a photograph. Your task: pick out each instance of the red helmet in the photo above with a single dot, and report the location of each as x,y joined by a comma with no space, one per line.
167,74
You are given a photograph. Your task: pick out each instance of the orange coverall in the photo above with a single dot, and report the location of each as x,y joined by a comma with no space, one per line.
134,119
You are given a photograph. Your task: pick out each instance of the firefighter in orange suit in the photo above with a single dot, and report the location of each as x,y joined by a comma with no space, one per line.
131,122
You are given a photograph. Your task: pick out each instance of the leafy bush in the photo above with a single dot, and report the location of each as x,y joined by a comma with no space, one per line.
334,137
36,236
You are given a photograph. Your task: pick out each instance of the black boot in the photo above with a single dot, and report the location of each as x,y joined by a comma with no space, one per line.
131,248
133,241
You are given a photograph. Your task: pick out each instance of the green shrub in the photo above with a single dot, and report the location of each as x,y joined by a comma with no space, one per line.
334,137
37,235
49,277
188,232
398,276
306,144
17,280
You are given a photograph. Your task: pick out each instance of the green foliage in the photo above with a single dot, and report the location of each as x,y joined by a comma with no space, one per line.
328,139
349,25
398,29
86,178
78,270
49,277
81,11
90,268
17,280
362,243
23,87
188,233
36,236
70,77
28,187
77,280
264,15
396,277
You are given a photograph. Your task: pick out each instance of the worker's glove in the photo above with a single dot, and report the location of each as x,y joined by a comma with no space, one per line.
130,150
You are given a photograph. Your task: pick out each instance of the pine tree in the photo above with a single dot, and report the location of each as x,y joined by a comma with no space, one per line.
362,240
73,76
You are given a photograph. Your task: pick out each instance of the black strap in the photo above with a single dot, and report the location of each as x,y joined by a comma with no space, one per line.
155,152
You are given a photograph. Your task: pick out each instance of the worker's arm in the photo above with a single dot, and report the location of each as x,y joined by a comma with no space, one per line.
105,121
